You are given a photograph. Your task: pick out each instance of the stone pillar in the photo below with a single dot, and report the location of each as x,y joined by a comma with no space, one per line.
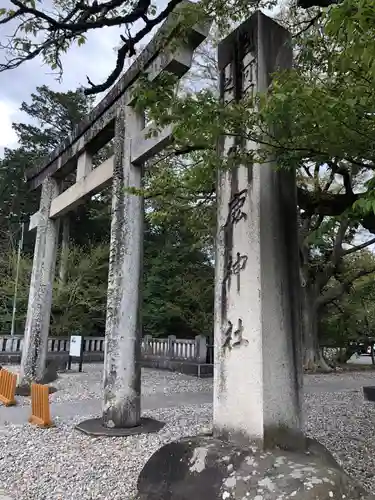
34,350
147,350
201,349
171,346
63,267
122,384
257,329
84,165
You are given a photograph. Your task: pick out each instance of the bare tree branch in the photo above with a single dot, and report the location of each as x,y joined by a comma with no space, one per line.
309,23
62,28
358,247
335,293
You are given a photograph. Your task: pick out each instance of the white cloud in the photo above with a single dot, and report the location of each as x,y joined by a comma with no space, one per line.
95,59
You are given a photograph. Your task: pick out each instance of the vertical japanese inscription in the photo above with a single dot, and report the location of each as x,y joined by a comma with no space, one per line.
234,338
234,267
228,84
239,78
248,72
235,205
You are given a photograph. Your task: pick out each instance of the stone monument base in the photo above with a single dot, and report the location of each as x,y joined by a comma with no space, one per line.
94,427
207,468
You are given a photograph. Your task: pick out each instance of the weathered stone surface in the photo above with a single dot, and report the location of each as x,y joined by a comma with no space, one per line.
122,369
257,365
35,344
206,468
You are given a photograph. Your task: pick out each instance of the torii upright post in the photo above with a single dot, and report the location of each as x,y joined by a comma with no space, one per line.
122,371
40,295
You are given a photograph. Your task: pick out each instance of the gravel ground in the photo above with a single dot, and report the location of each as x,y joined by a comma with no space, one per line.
61,463
345,424
76,386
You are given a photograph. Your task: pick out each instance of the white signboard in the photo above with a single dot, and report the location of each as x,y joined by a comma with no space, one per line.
75,346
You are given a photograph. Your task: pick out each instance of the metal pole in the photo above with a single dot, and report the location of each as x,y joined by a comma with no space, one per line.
20,246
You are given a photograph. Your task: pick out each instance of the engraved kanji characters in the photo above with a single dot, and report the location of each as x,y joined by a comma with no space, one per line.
233,339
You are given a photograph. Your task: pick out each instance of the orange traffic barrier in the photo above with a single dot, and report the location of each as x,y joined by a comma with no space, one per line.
40,414
8,382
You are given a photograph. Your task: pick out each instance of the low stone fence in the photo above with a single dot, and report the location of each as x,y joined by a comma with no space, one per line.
185,355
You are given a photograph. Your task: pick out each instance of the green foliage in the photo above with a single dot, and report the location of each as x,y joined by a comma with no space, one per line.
317,119
178,284
80,304
352,316
8,260
54,115
177,288
178,281
48,33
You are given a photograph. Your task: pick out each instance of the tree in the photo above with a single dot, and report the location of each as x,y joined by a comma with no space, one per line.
54,115
316,120
324,100
16,201
178,273
178,282
330,267
7,282
350,318
49,32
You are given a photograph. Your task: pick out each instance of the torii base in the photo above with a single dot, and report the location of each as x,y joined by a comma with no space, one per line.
94,427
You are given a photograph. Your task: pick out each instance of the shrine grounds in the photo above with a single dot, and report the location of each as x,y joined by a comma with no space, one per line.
61,463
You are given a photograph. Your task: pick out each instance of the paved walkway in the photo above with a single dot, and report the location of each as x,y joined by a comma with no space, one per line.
4,496
337,383
66,410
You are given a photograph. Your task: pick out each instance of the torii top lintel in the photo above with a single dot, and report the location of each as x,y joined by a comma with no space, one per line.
98,126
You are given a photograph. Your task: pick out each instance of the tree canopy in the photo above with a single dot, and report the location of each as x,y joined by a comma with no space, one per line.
48,33
178,270
317,119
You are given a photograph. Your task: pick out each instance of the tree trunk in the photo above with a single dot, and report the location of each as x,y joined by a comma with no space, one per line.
313,359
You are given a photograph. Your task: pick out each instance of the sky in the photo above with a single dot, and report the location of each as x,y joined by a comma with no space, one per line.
96,58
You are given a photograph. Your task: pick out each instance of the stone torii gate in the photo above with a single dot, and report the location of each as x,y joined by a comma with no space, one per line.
257,450
114,117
